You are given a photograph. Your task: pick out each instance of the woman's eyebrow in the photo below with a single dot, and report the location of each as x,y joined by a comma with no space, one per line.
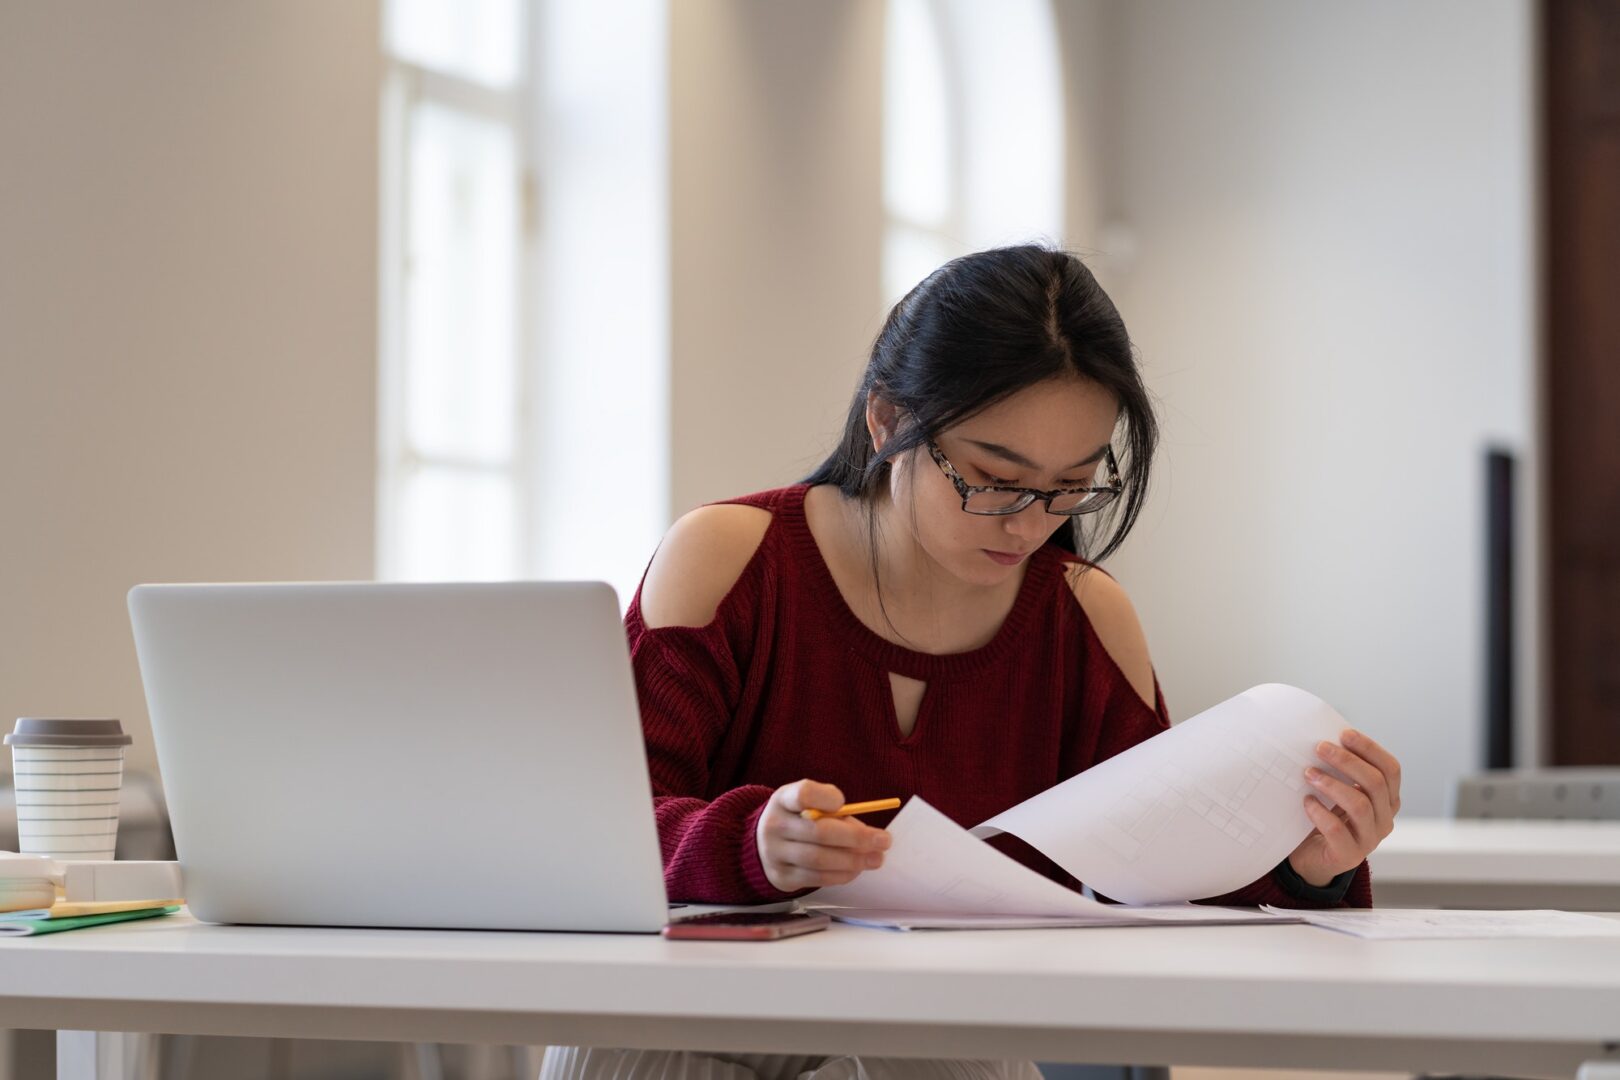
1023,462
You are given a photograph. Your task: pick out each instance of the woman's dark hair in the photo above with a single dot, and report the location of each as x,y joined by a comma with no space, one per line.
978,330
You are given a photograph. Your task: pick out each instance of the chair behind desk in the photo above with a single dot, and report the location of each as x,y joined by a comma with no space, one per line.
1572,794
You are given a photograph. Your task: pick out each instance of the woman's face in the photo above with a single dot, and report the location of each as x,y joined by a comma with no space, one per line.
1050,435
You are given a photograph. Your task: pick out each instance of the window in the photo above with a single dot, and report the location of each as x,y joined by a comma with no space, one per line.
516,439
973,132
451,473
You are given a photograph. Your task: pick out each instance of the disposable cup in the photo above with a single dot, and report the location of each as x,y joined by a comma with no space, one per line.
67,773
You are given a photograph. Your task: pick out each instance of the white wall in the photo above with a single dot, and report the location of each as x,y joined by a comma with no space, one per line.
188,252
776,231
1332,287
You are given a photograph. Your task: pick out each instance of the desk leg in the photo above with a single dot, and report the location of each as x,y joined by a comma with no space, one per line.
101,1055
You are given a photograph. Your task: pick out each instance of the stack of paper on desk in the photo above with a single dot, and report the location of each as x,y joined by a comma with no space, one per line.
1183,914
1199,810
1410,924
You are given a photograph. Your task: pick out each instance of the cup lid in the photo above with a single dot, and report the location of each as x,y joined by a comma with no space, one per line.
63,731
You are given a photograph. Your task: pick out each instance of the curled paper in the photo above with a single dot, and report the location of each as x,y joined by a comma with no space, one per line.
1196,811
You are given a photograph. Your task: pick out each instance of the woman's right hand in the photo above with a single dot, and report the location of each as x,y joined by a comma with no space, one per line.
801,854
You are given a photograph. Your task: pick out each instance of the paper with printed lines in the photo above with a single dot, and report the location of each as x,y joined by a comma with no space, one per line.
1197,811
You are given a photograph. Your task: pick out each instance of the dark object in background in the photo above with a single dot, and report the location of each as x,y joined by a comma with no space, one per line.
1499,629
1580,197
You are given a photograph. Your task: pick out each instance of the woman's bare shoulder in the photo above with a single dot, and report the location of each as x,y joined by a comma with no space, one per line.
700,559
1113,617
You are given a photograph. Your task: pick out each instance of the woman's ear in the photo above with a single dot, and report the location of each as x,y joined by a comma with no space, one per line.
881,418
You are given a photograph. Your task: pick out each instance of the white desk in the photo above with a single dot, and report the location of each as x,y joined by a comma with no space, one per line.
1240,996
1573,865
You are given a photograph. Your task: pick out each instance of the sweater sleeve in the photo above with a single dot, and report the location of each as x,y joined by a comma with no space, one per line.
688,682
1275,889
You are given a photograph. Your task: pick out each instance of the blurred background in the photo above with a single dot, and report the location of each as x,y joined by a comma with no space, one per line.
483,289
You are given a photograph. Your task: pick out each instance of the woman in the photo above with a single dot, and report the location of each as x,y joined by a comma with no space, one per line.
922,616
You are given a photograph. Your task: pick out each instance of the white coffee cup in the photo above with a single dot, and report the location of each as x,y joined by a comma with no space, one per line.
67,773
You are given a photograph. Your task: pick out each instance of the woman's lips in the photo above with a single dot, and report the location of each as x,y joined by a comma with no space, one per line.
1006,558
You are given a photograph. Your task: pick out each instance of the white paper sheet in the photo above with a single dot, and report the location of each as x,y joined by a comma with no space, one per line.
934,866
1128,916
938,874
1199,810
1412,924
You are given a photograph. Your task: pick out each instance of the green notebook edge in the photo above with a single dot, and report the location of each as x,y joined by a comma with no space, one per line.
35,927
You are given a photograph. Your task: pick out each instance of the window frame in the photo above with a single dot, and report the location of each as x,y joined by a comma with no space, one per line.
408,84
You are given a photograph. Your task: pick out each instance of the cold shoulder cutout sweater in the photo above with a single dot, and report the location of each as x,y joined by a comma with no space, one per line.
786,682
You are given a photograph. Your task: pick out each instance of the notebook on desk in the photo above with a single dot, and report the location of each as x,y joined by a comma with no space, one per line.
393,755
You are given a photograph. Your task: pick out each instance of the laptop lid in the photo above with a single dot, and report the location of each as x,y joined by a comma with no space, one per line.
451,756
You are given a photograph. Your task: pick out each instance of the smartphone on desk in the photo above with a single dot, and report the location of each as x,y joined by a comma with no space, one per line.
746,926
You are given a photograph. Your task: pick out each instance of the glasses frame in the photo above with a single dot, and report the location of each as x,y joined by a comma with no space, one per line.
1028,496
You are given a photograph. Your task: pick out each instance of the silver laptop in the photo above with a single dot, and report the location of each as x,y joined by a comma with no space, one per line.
451,756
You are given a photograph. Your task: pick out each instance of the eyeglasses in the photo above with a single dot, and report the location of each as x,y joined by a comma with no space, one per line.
1065,502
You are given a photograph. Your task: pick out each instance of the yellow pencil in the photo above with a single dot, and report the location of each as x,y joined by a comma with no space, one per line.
852,808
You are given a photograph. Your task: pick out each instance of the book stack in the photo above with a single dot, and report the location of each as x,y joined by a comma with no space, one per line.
32,899
75,915
26,881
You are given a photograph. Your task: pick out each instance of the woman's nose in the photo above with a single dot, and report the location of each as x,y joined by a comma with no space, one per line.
1029,524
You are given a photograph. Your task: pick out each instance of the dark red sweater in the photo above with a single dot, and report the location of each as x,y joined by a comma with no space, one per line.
786,683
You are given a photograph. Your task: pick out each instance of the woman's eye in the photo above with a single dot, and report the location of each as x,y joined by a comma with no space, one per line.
996,481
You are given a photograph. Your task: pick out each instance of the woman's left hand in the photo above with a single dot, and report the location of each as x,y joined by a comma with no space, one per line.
1364,815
